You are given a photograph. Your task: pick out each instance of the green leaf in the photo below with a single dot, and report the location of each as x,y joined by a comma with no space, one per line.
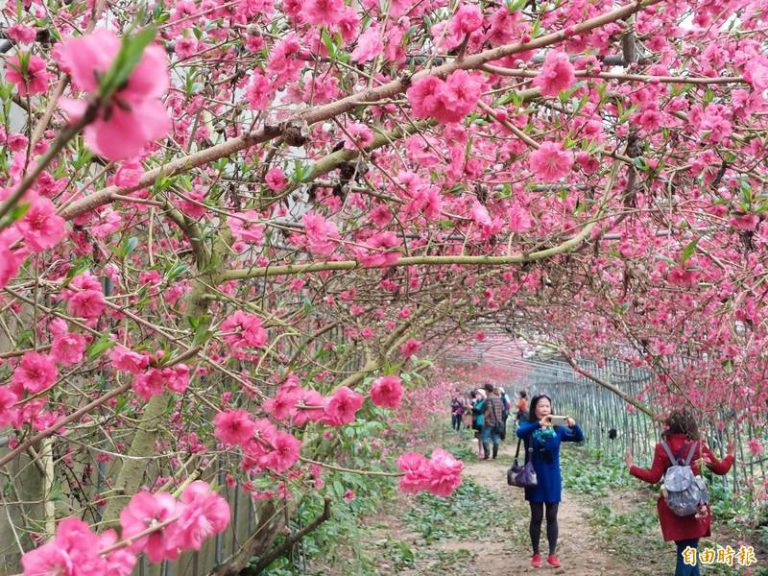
176,270
202,332
512,97
131,51
129,245
301,171
78,267
25,337
307,306
16,213
104,342
688,251
122,403
329,44
620,112
746,191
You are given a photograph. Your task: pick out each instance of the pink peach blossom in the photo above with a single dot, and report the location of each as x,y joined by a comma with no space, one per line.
369,45
243,329
203,514
234,427
41,227
35,373
342,407
557,74
134,115
27,72
387,392
550,162
128,360
144,510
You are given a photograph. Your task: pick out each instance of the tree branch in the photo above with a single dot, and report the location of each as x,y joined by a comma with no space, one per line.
328,111
289,542
292,269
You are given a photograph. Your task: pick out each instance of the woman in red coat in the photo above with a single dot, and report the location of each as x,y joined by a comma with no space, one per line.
681,433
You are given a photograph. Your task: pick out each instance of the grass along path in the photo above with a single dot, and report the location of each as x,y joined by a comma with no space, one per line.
483,530
578,545
608,526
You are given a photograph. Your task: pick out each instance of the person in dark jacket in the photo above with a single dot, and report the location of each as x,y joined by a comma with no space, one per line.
457,411
680,434
542,445
478,410
493,420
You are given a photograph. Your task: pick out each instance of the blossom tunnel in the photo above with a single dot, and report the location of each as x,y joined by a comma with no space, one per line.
238,238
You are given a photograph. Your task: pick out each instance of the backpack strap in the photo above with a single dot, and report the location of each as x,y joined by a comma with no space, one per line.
669,453
676,460
691,453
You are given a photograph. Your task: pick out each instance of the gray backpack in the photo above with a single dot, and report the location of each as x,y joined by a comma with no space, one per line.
682,489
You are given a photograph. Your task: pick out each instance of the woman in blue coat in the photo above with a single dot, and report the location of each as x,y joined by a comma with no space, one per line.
542,444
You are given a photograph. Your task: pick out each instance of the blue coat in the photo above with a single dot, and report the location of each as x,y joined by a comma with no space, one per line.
546,459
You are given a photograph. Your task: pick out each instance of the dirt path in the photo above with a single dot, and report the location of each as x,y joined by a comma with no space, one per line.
607,526
504,551
577,547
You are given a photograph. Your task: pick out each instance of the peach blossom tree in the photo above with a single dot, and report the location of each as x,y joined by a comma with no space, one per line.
231,230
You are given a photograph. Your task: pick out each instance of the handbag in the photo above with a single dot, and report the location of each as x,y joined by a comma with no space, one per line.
522,476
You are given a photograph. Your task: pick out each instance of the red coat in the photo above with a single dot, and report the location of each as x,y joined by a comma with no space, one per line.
675,527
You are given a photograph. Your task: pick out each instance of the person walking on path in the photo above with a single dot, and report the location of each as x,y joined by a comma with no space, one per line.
506,407
457,410
542,446
493,420
467,417
522,407
682,438
478,410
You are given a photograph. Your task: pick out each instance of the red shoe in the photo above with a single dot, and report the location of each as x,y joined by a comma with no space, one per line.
536,561
553,560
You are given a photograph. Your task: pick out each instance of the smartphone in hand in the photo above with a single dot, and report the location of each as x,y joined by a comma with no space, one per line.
558,420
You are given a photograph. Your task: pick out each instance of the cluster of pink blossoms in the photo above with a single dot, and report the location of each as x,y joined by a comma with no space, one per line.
243,330
149,382
379,250
36,372
27,72
440,474
557,74
134,115
267,448
446,101
550,162
40,229
321,236
245,227
84,296
167,527
264,446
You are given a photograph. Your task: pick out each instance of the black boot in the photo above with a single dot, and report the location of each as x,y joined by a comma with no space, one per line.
495,451
486,451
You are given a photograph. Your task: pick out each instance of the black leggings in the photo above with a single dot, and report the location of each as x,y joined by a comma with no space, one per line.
537,515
